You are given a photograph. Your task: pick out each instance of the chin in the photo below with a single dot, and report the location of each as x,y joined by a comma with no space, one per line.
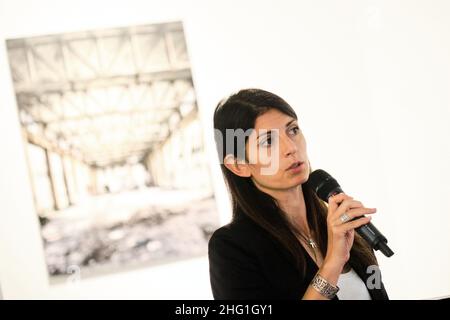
303,177
299,180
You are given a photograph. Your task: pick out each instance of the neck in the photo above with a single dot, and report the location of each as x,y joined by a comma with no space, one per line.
292,202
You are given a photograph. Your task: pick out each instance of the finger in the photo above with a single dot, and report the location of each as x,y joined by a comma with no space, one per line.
348,204
354,224
334,201
355,213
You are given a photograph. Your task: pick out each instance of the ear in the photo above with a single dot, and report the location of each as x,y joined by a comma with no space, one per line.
238,167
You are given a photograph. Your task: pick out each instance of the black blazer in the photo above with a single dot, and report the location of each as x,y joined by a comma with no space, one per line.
245,262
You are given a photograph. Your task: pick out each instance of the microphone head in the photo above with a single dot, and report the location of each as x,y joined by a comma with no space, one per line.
323,184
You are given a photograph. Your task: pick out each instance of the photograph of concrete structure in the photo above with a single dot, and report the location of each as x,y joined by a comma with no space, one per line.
114,146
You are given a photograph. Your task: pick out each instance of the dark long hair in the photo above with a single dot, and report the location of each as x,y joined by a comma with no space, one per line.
239,111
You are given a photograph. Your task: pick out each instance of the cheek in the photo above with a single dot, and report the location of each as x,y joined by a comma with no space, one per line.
263,157
303,144
268,176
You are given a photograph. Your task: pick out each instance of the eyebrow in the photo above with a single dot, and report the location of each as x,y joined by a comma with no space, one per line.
269,131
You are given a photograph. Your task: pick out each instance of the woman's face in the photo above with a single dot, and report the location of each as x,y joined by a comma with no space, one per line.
275,144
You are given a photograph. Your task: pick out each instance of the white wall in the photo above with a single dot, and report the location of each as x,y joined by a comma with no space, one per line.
369,80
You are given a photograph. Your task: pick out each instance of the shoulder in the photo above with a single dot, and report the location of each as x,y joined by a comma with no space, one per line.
242,234
243,240
246,262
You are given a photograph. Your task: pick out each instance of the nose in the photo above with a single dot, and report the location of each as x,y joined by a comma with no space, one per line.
288,146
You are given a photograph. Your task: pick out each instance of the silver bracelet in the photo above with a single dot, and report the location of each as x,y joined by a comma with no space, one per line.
324,287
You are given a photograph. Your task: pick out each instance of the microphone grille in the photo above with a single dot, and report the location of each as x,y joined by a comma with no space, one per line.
323,184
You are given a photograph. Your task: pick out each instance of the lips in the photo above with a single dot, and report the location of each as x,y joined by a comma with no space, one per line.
295,165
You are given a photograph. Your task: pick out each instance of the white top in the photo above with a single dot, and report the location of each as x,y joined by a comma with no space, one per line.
351,287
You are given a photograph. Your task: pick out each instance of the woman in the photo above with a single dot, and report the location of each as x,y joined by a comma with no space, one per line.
283,241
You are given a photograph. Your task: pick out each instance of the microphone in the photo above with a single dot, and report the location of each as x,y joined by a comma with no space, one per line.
325,186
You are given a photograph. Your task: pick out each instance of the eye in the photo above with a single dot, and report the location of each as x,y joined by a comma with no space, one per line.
294,130
267,142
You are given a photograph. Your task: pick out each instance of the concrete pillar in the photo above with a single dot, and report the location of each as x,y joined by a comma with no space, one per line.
50,179
66,184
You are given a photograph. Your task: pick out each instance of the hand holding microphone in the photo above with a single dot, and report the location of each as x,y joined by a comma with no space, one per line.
345,215
327,189
342,209
341,227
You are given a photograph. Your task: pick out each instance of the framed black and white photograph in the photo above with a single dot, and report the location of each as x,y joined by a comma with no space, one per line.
114,147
